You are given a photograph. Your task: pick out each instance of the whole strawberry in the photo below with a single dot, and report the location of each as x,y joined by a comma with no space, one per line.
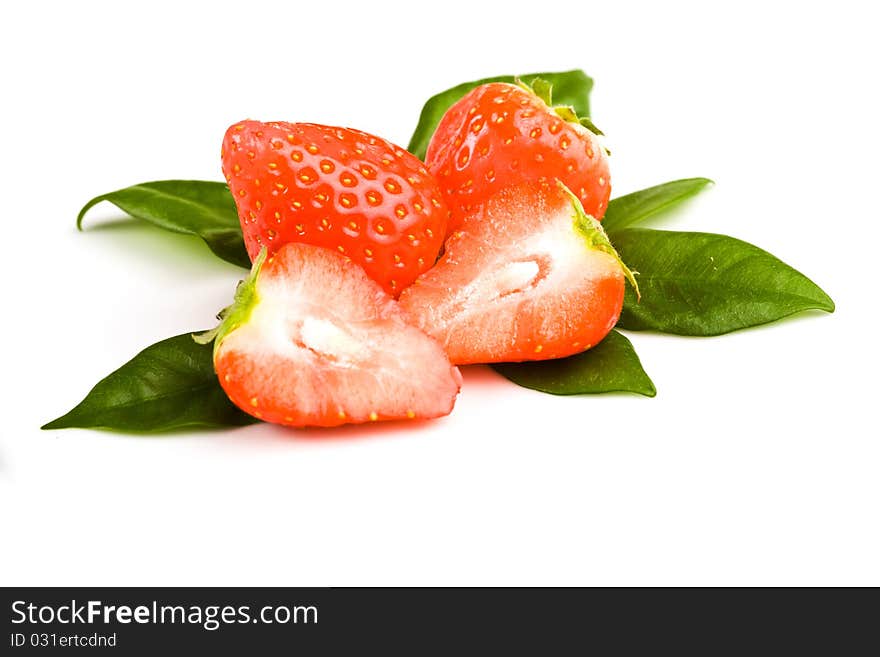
503,134
338,188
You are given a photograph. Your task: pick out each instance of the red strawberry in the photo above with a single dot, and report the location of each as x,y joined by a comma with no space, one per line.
529,276
311,340
339,188
504,134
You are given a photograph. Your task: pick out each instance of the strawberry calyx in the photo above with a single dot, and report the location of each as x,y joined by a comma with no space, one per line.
596,237
239,311
544,90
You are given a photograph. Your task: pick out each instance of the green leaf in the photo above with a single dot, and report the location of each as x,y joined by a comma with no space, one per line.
569,88
169,385
706,284
610,366
625,211
192,207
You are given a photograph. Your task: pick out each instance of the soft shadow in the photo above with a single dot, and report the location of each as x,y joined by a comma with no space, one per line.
677,215
119,223
357,432
795,318
264,431
479,375
151,434
151,243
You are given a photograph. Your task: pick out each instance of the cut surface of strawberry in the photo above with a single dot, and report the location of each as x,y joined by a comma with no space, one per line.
311,340
528,276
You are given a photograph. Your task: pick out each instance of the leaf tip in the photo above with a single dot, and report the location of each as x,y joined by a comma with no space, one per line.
88,206
57,423
821,299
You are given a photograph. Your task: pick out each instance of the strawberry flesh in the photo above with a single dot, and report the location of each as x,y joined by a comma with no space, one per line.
528,276
316,342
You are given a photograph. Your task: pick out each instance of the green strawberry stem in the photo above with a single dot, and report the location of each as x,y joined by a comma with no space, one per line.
544,90
596,237
239,312
541,88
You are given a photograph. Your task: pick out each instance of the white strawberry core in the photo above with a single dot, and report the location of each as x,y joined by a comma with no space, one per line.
510,278
545,260
276,318
327,339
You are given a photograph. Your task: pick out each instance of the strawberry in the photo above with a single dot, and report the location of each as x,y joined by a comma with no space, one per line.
528,276
338,188
502,134
311,340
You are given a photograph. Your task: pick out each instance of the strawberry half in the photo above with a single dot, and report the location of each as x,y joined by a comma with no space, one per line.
502,134
528,276
339,188
311,340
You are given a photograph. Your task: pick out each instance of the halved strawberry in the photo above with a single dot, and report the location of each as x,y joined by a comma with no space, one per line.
529,276
312,340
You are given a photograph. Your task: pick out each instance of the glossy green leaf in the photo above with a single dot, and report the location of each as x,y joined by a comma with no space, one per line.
569,88
705,284
169,385
192,207
610,366
625,211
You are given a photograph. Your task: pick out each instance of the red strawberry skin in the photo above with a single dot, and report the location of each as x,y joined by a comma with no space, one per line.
338,188
528,276
313,341
501,134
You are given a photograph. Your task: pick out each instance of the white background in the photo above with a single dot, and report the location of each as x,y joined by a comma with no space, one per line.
757,463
